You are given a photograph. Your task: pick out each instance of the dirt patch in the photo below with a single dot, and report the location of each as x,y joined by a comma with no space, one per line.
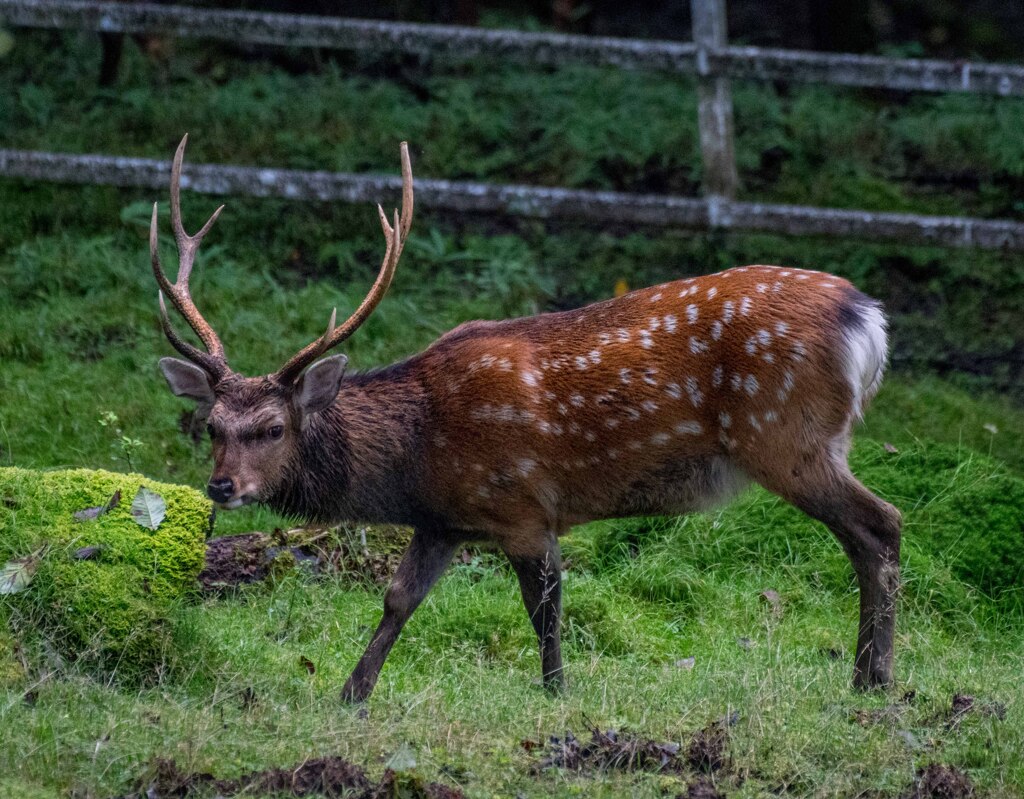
939,782
253,557
623,751
708,749
323,776
608,751
964,705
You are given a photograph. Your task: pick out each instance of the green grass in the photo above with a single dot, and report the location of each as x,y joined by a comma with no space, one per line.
459,686
79,339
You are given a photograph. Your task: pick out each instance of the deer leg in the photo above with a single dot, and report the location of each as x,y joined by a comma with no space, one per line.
869,531
540,578
424,562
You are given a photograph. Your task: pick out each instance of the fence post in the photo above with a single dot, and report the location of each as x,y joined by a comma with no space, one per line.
714,110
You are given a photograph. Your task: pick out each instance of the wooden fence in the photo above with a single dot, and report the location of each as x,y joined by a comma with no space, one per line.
709,58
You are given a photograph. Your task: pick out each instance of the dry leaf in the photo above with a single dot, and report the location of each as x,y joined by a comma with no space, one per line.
148,508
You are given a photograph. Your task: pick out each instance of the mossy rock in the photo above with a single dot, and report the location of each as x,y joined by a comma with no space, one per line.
109,613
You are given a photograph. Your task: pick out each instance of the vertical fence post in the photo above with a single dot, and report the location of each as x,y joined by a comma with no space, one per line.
714,101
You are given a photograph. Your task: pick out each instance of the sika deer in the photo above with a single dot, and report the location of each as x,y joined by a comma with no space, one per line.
664,401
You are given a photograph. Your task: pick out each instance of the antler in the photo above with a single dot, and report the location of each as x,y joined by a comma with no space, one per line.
395,238
212,360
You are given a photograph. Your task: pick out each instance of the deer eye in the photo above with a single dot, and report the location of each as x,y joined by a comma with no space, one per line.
276,431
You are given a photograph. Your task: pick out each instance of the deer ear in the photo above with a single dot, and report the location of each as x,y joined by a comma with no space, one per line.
320,383
187,380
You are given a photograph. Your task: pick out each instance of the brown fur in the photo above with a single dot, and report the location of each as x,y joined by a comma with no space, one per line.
666,400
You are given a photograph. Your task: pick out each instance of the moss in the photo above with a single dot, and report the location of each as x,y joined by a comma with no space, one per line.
110,613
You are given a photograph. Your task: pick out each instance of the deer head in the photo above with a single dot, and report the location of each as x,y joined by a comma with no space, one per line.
255,422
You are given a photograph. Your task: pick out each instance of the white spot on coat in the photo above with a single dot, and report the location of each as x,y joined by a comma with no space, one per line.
694,392
717,376
750,385
697,346
716,330
725,420
692,312
745,305
670,323
673,390
688,429
728,311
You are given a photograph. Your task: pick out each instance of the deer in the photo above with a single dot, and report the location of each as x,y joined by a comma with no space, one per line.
667,400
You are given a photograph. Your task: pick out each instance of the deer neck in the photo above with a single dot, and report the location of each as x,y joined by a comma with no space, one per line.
358,459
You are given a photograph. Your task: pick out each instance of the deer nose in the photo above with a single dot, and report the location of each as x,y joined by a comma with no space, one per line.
220,489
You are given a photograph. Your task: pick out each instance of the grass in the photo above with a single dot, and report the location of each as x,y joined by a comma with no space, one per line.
79,341
458,688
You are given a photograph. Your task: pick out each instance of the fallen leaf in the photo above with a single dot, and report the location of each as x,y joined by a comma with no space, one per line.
912,741
89,514
891,449
744,643
16,575
686,663
772,598
307,664
87,553
148,508
991,428
403,759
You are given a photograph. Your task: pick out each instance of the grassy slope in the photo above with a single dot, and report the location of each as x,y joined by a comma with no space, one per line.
576,127
78,337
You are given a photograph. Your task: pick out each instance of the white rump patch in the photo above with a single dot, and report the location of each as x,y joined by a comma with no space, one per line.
866,352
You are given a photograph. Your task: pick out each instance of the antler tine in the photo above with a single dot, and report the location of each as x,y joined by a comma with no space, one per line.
178,292
394,237
214,366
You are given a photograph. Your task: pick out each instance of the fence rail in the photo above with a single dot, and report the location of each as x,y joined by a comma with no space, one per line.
712,213
299,30
709,58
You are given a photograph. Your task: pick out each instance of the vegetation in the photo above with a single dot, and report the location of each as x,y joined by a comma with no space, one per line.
102,586
758,596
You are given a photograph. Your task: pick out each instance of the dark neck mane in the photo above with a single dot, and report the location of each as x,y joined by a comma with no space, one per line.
358,459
